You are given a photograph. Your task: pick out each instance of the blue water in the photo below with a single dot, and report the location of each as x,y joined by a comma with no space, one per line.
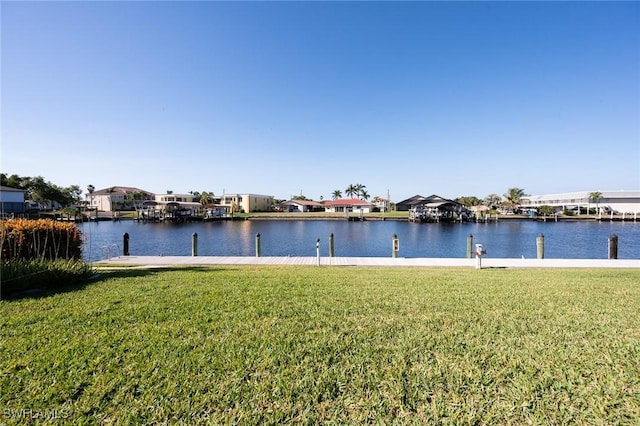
505,239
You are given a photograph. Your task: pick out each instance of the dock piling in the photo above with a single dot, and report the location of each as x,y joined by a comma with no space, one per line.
540,246
125,244
331,252
613,247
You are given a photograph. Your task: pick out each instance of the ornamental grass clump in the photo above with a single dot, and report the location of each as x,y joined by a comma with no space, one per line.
40,254
24,239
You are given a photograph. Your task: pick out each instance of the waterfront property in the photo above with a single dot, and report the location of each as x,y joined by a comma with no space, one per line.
505,239
348,205
117,198
433,208
616,202
11,201
246,203
295,206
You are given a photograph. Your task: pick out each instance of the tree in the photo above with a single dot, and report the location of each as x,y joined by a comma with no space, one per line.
514,197
169,192
90,190
205,198
74,193
336,194
351,190
359,189
596,196
135,198
492,201
546,210
469,201
364,194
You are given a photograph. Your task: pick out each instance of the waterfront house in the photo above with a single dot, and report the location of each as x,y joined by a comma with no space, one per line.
581,202
11,201
117,198
295,206
348,205
381,204
246,203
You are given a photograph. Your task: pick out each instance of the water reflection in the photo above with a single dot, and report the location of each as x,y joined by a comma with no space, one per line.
507,239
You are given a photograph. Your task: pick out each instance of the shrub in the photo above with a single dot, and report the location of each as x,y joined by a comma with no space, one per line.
546,210
46,239
43,274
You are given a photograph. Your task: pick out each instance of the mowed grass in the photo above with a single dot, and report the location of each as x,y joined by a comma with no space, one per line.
266,345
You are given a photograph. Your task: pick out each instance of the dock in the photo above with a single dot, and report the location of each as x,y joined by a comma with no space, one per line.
487,262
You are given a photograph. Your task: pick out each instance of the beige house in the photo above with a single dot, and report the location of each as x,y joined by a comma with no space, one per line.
247,203
176,198
116,198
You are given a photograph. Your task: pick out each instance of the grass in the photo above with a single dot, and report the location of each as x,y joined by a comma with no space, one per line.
256,345
19,276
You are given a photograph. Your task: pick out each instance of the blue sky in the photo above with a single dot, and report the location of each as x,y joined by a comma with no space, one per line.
284,98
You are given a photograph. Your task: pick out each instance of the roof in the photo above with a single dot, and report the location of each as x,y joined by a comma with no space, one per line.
123,190
10,189
586,195
310,203
430,201
347,202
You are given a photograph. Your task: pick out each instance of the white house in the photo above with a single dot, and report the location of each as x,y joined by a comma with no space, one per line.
11,200
294,206
347,205
616,201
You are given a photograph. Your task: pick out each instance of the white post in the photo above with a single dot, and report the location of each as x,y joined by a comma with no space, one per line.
478,256
318,250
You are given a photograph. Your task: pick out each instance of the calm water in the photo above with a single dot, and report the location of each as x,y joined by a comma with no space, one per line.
506,239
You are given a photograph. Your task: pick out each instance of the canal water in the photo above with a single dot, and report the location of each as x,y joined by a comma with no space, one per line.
505,239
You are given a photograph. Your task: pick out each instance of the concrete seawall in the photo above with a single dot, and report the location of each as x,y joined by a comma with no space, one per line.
165,261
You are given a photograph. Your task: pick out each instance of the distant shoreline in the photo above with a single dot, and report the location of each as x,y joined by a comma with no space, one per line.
372,217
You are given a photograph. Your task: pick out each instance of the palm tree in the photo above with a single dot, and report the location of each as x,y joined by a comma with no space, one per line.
596,196
359,188
336,194
90,189
351,190
514,197
205,198
364,194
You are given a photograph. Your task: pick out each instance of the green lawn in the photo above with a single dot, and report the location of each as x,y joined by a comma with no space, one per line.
256,345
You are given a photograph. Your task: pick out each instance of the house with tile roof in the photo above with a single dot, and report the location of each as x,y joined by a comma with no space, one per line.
116,198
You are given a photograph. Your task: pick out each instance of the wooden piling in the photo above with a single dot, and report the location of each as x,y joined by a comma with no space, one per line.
540,246
331,252
125,244
395,246
613,246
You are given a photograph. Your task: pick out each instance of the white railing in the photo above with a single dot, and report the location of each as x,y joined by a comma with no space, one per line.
109,250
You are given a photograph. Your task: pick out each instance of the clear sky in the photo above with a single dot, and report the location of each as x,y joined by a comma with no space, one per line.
289,98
